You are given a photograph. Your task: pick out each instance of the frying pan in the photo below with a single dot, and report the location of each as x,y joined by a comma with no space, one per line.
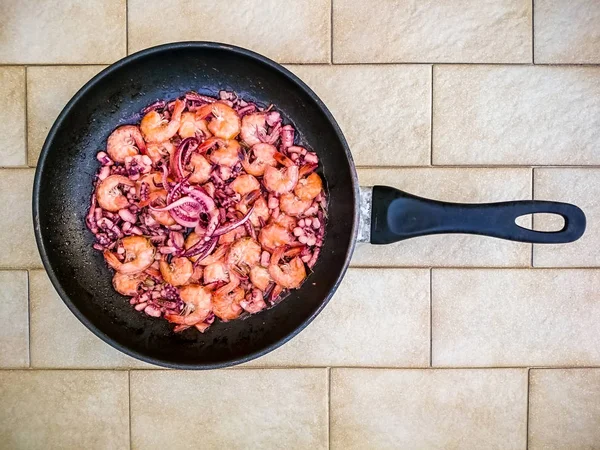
63,186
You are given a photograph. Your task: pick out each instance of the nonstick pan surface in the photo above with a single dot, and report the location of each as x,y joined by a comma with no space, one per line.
63,188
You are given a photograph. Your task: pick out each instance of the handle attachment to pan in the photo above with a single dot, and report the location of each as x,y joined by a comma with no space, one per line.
397,215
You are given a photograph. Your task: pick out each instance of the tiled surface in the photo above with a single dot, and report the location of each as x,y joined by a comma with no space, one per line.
567,32
465,31
48,91
64,409
286,31
12,117
14,321
564,409
432,409
428,342
62,32
267,409
516,115
515,317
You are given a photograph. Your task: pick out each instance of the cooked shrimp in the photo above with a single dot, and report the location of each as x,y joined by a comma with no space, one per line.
128,284
156,129
125,141
273,236
292,205
225,123
289,275
178,272
253,126
253,302
227,154
109,193
263,157
192,125
200,168
158,199
259,276
285,221
197,275
232,236
308,188
244,253
150,179
139,255
215,256
260,211
226,300
158,151
280,181
198,305
244,184
216,271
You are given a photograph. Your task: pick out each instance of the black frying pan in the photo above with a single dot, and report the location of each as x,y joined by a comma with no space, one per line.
63,186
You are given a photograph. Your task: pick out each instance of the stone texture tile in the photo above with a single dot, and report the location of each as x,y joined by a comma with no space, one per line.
266,409
515,317
392,127
516,115
286,31
12,116
355,329
428,409
62,32
64,409
48,91
564,409
582,188
14,319
567,31
59,340
469,31
17,243
453,185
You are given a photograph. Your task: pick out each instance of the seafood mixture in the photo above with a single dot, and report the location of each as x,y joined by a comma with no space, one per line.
207,209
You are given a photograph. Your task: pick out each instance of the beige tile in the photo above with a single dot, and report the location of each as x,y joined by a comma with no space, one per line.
567,31
286,31
564,409
515,317
266,409
516,115
48,91
453,185
64,409
66,31
582,188
60,340
428,409
357,329
392,128
17,243
14,320
12,117
470,31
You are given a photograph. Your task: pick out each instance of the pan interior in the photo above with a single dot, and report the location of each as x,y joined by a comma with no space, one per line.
63,188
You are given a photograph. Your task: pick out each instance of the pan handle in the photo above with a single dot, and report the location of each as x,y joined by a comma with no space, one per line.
397,215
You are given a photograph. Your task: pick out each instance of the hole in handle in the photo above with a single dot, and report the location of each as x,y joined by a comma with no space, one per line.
545,222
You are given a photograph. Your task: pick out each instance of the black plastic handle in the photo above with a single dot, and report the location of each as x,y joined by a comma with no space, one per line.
397,215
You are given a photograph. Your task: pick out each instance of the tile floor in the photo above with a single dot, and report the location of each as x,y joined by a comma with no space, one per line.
438,342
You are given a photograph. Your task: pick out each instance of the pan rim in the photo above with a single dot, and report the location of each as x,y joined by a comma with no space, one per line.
40,171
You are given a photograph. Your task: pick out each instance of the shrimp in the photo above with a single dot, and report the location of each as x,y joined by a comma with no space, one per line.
280,181
254,302
178,272
128,284
253,126
285,221
125,141
263,157
259,276
151,179
308,188
109,194
197,275
260,211
232,236
273,236
292,205
215,256
198,306
200,168
225,123
158,151
158,199
191,125
289,275
227,154
244,252
244,184
139,255
226,300
156,129
216,271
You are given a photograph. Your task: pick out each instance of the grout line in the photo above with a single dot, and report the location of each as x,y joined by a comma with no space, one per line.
26,121
129,392
533,32
431,121
482,166
331,32
28,320
329,407
431,317
527,409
